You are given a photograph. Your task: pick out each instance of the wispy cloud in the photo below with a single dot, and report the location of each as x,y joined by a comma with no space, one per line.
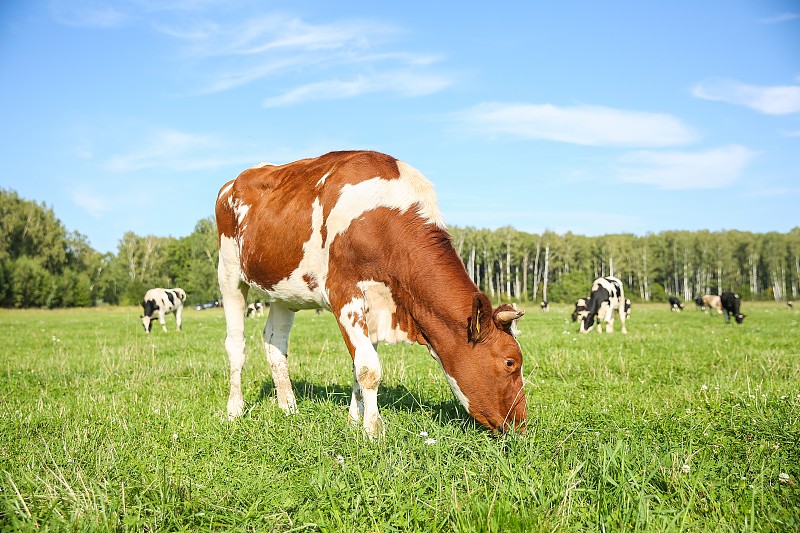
92,203
402,83
775,100
710,169
583,124
87,13
178,151
783,17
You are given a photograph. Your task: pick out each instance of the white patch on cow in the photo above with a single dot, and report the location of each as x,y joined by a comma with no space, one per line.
380,308
321,181
225,189
401,194
294,290
460,396
241,211
260,165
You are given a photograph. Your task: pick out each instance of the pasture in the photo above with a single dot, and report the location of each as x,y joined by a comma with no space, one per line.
685,423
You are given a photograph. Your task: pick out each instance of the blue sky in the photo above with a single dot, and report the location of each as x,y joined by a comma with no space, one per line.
590,117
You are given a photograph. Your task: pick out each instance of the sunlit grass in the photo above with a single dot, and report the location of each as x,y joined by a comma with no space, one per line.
685,423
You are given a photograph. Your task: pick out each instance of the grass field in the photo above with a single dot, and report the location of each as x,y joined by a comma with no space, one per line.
686,423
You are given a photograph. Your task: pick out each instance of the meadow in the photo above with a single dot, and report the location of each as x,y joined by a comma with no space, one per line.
686,423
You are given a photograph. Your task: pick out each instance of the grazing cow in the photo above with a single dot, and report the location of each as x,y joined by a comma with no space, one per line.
544,306
255,309
580,312
701,306
675,304
731,303
158,303
360,234
606,297
711,302
627,308
790,305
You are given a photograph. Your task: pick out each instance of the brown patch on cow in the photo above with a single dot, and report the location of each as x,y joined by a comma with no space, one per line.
311,281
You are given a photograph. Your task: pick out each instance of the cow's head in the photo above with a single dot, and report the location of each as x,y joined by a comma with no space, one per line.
739,318
580,311
147,322
488,373
181,294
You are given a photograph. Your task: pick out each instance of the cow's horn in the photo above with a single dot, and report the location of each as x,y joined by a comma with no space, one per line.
506,317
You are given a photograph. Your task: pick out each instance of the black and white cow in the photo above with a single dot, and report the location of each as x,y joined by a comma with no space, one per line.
730,306
675,304
255,309
607,296
544,306
627,308
159,302
698,301
790,305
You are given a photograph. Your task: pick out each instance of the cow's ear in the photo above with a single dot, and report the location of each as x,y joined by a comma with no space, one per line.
481,319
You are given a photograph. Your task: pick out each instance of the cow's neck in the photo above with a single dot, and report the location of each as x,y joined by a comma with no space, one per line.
440,304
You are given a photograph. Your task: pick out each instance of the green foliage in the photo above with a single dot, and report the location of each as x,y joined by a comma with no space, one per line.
686,423
570,287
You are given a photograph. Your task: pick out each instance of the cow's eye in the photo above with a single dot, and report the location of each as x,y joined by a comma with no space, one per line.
510,363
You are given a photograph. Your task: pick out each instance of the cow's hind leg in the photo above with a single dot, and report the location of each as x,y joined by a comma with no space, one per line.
234,299
356,412
179,318
622,315
276,342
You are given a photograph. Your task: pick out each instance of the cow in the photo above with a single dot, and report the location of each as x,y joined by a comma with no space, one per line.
360,234
627,308
711,302
160,302
580,312
607,296
698,301
731,303
790,305
544,306
255,309
675,304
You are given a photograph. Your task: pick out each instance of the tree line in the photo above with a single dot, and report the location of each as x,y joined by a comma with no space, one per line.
42,264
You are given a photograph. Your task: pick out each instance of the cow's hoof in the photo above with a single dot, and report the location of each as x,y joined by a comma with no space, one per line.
235,408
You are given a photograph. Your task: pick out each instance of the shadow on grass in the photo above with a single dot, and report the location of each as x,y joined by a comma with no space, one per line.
397,398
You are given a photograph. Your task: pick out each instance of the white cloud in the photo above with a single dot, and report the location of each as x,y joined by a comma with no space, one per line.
179,151
775,100
86,13
783,17
710,169
583,124
94,204
402,83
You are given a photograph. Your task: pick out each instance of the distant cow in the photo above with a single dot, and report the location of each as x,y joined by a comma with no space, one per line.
789,305
160,302
711,302
627,308
675,304
255,309
360,234
607,296
731,303
544,306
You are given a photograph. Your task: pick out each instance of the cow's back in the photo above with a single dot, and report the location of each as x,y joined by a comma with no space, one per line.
285,218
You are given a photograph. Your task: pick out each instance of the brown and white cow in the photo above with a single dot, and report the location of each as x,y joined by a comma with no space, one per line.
360,234
711,302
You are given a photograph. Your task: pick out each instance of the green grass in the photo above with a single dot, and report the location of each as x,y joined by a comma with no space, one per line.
104,428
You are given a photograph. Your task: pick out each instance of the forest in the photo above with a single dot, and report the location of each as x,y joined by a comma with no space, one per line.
42,264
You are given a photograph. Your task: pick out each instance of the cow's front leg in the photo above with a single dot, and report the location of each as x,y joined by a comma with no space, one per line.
179,318
276,341
162,319
367,371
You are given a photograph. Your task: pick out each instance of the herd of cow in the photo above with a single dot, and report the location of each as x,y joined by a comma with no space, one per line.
360,234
